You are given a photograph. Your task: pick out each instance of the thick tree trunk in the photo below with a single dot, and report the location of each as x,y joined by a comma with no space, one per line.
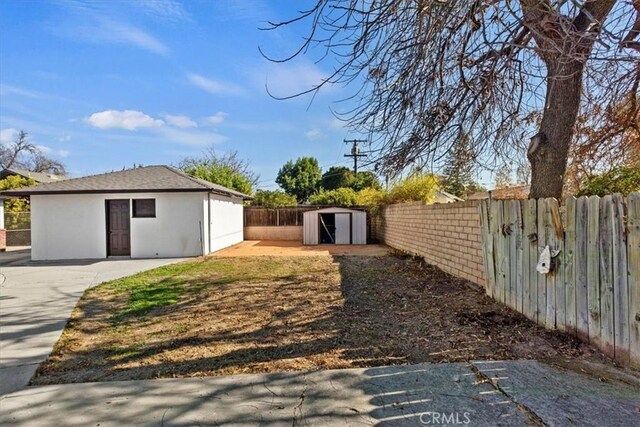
549,149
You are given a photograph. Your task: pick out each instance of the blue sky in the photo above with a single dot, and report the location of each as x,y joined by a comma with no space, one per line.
102,85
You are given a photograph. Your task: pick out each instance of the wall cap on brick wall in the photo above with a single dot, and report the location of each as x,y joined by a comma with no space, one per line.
465,204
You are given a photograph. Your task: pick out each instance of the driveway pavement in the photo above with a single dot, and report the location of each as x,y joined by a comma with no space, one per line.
36,300
520,393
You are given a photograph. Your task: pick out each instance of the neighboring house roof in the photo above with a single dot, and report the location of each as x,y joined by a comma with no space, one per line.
143,179
516,192
39,177
444,197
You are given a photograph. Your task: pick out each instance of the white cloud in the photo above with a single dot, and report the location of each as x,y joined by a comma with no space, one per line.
63,153
102,23
8,135
127,119
180,121
123,33
15,90
313,133
214,86
216,119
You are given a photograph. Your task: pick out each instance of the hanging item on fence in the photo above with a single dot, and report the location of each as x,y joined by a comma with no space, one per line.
546,262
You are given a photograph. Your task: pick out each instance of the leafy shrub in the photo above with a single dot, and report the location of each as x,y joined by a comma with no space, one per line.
371,197
417,187
621,179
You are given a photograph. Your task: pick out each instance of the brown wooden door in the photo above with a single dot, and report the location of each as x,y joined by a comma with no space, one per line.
118,228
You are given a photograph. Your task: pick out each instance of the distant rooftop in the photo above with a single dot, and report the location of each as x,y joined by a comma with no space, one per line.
514,192
142,179
39,177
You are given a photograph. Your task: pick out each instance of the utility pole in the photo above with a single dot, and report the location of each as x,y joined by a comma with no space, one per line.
355,152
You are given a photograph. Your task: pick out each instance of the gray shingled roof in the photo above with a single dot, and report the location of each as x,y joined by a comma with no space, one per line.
143,179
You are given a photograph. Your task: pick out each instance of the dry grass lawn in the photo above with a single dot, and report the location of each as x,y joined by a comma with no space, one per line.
264,314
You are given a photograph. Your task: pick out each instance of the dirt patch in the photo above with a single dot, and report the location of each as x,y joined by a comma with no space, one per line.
250,248
268,314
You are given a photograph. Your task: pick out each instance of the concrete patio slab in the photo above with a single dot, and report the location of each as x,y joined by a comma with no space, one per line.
393,396
527,393
36,300
563,398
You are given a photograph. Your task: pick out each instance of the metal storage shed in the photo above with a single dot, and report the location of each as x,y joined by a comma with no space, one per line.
339,226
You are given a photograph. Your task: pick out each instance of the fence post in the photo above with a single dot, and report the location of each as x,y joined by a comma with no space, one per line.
487,245
581,269
633,262
542,278
556,242
620,284
498,248
530,259
570,266
606,275
593,269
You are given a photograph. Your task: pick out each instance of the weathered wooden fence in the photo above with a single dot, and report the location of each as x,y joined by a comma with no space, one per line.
593,289
274,217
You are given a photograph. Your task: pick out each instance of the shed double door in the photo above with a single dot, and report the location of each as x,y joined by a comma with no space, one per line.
343,228
118,228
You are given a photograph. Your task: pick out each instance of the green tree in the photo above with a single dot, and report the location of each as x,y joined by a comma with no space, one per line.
227,170
622,179
366,180
15,208
273,199
459,168
338,197
300,178
337,177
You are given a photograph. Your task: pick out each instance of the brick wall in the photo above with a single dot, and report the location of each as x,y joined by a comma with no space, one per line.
446,235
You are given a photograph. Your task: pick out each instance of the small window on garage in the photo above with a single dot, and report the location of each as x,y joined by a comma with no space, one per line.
144,208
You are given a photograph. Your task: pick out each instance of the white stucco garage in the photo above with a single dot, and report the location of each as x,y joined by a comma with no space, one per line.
145,212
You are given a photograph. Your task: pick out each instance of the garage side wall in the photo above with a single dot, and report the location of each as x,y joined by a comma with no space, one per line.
176,231
68,227
226,222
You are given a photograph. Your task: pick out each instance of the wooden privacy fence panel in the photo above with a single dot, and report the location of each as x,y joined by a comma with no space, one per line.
593,288
277,217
